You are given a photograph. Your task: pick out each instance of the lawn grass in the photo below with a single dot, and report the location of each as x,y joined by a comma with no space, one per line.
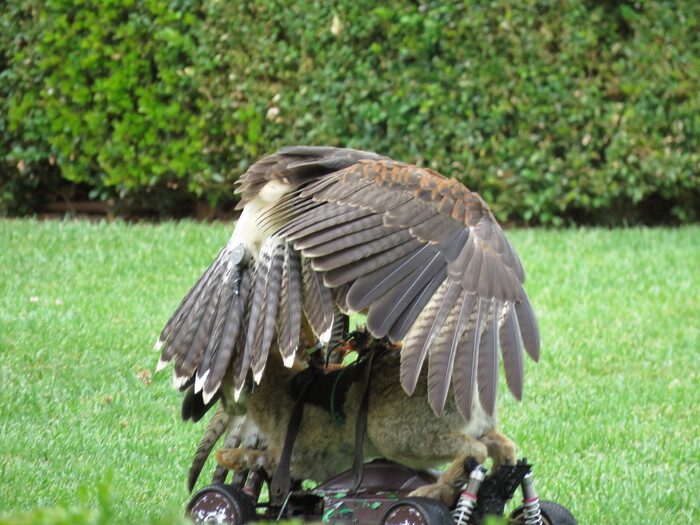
610,414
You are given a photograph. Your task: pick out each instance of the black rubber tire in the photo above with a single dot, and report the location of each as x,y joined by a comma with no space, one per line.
221,503
552,514
417,511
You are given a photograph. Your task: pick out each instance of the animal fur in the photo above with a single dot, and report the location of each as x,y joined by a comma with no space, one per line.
400,428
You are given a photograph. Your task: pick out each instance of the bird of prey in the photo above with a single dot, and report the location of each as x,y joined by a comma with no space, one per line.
324,230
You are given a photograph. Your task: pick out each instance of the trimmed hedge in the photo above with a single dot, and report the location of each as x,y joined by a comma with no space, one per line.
555,112
101,89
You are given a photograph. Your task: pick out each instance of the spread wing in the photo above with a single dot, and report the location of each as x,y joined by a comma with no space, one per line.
325,227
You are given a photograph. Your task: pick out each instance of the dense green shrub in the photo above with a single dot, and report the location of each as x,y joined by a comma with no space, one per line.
555,112
102,89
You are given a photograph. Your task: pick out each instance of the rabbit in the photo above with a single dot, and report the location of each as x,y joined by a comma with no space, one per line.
399,427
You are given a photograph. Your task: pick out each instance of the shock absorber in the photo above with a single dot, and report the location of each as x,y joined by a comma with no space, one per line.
531,502
253,485
467,500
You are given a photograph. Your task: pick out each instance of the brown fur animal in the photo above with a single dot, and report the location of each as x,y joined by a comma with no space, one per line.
399,428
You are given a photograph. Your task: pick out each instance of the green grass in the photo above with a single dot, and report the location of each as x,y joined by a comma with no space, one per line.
610,414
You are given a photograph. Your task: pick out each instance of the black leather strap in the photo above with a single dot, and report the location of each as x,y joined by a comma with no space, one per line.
361,426
281,482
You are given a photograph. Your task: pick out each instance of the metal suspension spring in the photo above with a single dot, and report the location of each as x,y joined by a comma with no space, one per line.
531,502
467,500
463,510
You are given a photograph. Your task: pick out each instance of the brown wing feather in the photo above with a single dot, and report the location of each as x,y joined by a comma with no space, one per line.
405,321
443,353
273,283
254,327
353,262
178,341
528,328
339,230
233,332
436,366
452,235
317,300
415,349
467,359
289,319
328,217
487,379
371,287
384,312
390,238
512,352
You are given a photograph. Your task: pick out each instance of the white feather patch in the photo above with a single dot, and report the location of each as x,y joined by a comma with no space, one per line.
237,393
161,364
288,361
258,376
248,231
273,190
326,336
200,380
159,344
206,396
179,381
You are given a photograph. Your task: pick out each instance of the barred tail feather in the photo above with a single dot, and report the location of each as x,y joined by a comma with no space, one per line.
317,301
289,318
219,423
467,359
269,320
528,328
488,360
232,334
512,351
422,333
444,352
182,343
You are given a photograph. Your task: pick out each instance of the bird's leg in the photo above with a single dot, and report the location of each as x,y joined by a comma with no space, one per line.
501,449
446,489
247,459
